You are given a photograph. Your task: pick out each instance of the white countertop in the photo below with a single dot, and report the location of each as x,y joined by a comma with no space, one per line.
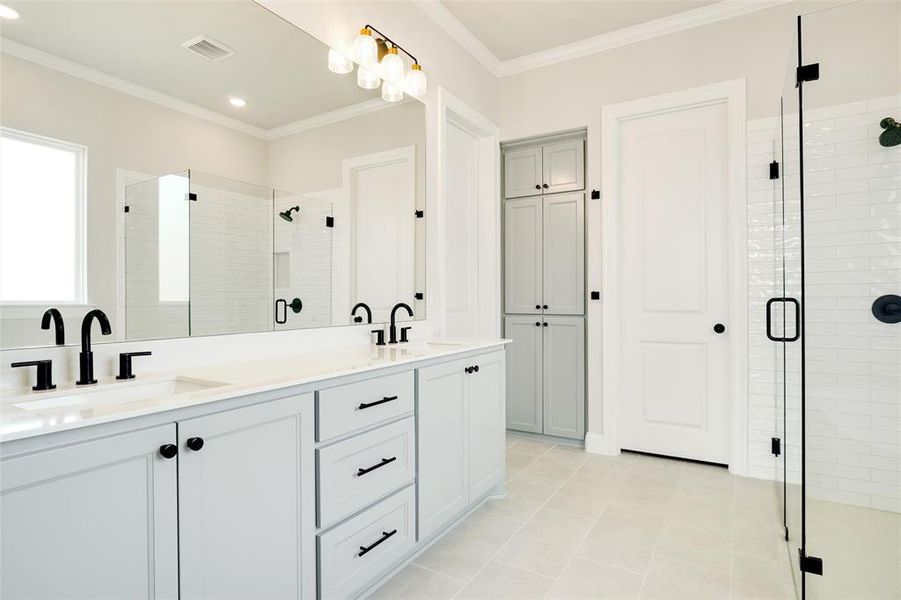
63,410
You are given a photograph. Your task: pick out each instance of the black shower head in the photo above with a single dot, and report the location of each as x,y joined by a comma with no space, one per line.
286,215
892,134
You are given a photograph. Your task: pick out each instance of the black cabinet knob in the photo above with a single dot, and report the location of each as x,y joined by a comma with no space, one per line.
537,323
168,450
544,185
544,307
468,369
195,443
545,324
538,307
719,328
476,368
537,187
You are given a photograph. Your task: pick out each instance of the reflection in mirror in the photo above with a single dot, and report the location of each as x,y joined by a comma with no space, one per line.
196,169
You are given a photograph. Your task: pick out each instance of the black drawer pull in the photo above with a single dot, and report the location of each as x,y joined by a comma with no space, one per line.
385,461
377,402
385,536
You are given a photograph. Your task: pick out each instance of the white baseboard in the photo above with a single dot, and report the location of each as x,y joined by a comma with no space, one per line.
596,443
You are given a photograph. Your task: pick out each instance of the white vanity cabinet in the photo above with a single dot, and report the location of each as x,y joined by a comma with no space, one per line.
93,519
241,502
460,411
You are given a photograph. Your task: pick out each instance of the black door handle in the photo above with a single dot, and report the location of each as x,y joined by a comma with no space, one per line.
195,443
385,461
385,536
364,405
719,328
769,320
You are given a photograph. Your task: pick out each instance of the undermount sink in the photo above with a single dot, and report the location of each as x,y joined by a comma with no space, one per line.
114,393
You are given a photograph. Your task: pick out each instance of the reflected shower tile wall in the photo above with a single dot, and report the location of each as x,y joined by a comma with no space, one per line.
853,255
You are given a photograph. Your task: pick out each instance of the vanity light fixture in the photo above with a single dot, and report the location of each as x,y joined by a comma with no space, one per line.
237,102
338,63
380,62
8,13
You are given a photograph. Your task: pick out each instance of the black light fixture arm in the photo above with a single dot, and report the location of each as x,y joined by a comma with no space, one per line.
393,43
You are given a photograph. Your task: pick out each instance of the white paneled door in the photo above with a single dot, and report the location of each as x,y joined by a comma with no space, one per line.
673,194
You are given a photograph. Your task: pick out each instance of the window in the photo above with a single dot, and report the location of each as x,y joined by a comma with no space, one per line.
42,257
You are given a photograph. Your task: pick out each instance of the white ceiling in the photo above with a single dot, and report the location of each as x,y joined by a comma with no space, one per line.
279,69
511,29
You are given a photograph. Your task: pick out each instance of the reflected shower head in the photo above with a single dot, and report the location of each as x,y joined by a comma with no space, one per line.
892,134
286,215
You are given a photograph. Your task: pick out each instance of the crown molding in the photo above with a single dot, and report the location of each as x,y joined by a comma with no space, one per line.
51,61
719,11
460,33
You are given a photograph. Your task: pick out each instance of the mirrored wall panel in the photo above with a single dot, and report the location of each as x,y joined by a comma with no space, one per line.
193,169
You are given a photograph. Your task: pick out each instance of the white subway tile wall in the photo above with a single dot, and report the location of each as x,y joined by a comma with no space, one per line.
853,255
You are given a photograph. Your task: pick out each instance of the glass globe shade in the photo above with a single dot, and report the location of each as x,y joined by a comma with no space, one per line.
338,63
365,51
391,92
392,66
367,79
415,82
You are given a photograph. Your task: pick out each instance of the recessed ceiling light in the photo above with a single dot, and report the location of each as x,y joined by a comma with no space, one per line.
8,13
239,102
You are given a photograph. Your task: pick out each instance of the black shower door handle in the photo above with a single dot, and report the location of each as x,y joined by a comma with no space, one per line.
769,320
284,305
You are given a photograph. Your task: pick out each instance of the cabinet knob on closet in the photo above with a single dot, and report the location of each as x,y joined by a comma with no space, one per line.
468,369
537,323
476,368
537,187
168,450
538,307
544,185
195,443
544,306
719,328
545,323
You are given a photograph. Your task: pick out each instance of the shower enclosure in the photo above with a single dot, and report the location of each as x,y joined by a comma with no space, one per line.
207,255
825,244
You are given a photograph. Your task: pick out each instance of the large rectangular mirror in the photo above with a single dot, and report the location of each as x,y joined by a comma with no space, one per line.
194,168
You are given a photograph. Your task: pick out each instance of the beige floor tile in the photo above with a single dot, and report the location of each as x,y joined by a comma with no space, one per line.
750,538
668,578
555,465
546,543
754,577
420,584
623,538
582,497
503,581
469,547
703,546
586,579
644,495
701,511
517,461
524,497
598,465
533,445
658,470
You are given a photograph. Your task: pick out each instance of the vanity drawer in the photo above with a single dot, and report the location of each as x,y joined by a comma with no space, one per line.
359,470
359,405
358,552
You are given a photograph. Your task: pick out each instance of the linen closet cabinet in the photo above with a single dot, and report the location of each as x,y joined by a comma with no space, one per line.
544,289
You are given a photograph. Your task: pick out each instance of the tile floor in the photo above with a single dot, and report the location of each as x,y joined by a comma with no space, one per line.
575,525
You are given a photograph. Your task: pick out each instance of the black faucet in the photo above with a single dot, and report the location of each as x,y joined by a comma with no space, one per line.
60,330
393,332
86,357
368,310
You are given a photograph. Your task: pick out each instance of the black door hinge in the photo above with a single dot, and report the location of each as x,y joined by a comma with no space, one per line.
776,446
809,72
595,194
127,208
419,214
774,170
810,564
330,221
419,295
192,196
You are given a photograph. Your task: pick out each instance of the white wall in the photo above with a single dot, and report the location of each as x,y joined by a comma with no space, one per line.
757,47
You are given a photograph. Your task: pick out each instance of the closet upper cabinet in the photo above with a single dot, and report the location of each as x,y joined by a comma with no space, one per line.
522,172
544,169
563,166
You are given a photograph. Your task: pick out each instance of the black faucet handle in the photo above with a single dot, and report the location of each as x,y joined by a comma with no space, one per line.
44,373
403,334
125,371
379,336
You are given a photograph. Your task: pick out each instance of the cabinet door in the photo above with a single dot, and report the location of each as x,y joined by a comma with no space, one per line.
485,408
524,373
442,441
564,167
563,273
522,256
96,519
522,172
246,502
564,376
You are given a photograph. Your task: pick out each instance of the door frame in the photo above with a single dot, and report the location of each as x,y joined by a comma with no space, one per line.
454,111
732,94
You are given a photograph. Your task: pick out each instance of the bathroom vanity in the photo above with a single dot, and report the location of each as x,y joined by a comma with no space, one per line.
308,476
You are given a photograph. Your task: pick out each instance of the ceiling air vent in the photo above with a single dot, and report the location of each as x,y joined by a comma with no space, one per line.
208,48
